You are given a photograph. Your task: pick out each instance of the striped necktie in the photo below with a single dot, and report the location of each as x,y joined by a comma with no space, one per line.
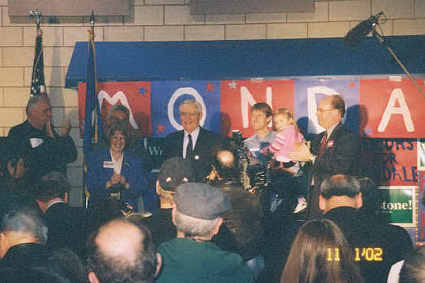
189,148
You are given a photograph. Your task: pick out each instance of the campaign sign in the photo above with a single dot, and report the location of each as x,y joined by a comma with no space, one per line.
237,97
398,204
393,108
308,94
166,99
135,96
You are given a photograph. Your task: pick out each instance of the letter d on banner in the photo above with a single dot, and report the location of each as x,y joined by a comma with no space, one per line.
313,126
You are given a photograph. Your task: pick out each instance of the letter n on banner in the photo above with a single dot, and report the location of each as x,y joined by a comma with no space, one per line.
237,97
135,96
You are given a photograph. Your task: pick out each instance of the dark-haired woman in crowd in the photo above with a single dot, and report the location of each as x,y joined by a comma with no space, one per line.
114,172
320,254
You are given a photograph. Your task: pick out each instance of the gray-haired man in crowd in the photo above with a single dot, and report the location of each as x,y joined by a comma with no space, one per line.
192,257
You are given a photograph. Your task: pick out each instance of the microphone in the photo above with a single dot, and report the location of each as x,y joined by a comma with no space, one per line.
359,32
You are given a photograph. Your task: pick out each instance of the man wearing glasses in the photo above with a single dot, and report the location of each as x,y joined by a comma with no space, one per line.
334,151
194,143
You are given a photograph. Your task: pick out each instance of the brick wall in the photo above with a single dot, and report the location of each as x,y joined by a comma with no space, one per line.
165,20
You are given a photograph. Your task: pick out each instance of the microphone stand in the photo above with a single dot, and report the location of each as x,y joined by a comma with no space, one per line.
381,40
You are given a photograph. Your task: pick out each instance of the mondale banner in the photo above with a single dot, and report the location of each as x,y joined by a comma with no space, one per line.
377,108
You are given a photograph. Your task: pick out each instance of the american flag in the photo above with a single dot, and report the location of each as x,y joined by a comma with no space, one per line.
38,85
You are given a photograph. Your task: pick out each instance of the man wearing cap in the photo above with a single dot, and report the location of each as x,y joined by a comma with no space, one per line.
173,172
191,257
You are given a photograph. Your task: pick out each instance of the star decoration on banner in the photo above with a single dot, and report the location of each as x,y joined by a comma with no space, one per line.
352,84
210,87
232,84
160,129
142,91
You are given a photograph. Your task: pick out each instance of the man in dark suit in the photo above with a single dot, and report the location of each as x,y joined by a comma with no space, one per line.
193,142
334,151
44,149
376,245
67,225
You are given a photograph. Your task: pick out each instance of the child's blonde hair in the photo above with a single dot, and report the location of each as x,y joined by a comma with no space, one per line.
285,112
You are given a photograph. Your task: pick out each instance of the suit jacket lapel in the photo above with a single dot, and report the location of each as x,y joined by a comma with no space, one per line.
335,132
180,143
199,140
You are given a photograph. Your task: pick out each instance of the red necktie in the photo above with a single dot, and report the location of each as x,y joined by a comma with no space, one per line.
323,143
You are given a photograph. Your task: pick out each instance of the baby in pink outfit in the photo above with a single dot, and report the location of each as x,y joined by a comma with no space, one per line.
287,137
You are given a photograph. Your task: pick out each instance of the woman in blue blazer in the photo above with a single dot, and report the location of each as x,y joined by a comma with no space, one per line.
115,172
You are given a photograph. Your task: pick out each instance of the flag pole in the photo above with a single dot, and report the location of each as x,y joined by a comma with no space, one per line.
38,85
92,126
96,105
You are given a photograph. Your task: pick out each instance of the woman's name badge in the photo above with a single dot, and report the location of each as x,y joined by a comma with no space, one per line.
108,164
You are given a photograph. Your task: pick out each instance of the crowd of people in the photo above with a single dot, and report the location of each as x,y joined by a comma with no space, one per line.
194,222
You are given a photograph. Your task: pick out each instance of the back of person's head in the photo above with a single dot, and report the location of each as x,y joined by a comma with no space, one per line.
67,264
225,165
174,172
320,254
263,107
21,214
118,108
198,209
340,185
52,185
413,270
122,251
103,211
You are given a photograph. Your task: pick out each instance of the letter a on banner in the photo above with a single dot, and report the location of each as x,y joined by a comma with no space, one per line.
391,109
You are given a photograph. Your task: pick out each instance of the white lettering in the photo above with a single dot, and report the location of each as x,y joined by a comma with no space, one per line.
247,100
313,125
396,96
179,92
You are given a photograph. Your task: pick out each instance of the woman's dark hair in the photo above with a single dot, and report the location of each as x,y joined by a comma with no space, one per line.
116,126
320,253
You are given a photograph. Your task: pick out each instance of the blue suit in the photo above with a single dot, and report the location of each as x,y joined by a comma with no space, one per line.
132,169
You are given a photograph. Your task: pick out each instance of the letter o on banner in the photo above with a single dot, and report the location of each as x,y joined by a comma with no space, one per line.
179,92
